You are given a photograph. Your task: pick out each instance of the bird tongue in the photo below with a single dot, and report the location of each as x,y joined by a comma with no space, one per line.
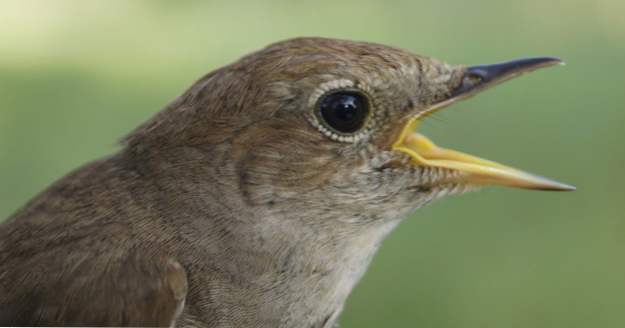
476,171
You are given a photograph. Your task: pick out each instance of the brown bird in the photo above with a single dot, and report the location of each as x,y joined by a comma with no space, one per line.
255,199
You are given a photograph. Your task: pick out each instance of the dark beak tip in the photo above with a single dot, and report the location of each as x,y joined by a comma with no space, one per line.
540,62
480,77
546,59
511,68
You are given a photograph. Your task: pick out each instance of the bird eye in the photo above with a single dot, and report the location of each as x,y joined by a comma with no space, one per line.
344,111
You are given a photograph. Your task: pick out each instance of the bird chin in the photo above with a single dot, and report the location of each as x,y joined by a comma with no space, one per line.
409,187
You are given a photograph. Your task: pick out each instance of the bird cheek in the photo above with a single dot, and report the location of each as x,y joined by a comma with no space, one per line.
269,175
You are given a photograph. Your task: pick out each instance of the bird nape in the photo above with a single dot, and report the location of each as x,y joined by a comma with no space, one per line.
255,199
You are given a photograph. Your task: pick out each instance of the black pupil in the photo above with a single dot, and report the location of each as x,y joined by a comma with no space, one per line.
344,111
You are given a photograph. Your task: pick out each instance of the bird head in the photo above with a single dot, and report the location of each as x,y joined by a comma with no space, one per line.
327,128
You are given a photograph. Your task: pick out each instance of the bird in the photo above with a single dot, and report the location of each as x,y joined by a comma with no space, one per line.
257,198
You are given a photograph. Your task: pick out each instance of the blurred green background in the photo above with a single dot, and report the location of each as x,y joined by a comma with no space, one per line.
75,76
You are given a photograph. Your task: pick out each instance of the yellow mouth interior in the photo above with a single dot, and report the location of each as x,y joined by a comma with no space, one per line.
476,171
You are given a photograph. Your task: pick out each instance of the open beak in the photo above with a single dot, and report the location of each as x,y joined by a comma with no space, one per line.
475,170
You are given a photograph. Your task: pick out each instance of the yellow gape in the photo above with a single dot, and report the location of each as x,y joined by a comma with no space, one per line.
475,170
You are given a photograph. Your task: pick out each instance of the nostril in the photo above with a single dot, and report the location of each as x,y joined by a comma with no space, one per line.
470,80
473,78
